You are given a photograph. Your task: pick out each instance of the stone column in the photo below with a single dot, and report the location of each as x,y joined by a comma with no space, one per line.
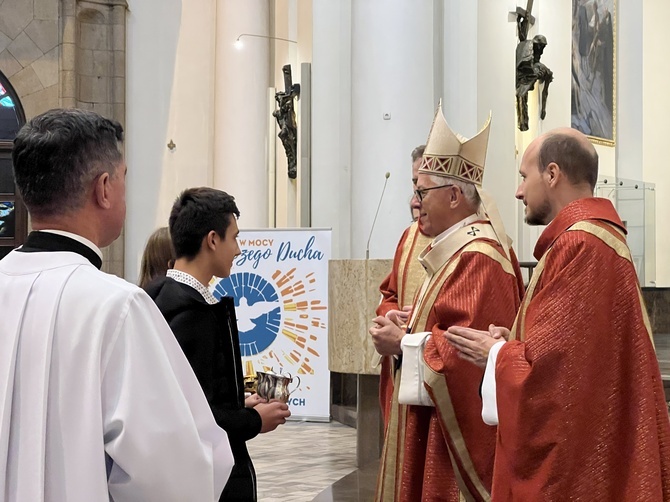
240,130
99,71
392,110
656,107
373,102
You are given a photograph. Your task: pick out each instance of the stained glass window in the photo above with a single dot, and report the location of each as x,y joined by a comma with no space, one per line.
13,215
9,118
5,100
7,219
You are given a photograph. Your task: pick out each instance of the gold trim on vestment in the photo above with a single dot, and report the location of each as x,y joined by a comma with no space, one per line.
520,320
440,394
436,381
425,303
459,480
408,259
475,245
442,251
402,433
389,460
487,249
394,437
393,452
620,248
438,258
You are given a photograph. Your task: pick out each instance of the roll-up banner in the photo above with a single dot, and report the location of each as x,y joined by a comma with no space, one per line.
280,286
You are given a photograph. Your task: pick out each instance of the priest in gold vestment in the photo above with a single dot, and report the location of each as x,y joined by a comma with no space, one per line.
399,287
398,291
441,449
576,391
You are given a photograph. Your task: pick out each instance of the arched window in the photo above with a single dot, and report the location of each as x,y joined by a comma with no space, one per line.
11,119
13,216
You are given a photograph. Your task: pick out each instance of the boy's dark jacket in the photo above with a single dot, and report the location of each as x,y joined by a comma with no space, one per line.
208,336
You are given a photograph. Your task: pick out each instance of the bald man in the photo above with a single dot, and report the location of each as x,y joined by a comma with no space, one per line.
576,389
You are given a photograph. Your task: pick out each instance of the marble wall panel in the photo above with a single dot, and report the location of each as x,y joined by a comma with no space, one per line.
353,296
657,301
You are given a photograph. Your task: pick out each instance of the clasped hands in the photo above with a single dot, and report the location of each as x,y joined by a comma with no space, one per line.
387,331
474,345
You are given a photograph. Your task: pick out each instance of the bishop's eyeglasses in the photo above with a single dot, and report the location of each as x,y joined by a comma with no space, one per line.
421,192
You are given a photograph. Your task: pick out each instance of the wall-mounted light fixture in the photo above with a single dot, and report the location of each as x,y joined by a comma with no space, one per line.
239,44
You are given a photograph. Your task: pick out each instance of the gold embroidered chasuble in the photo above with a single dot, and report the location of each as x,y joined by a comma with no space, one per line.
398,291
446,452
581,406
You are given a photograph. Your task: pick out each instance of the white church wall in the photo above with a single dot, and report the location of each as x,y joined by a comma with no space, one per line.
496,46
392,110
656,108
170,97
331,122
370,59
479,79
630,34
287,25
241,109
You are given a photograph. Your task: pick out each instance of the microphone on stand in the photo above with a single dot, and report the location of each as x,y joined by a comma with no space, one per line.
367,247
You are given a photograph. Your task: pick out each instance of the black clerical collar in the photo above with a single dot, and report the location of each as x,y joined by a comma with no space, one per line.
47,241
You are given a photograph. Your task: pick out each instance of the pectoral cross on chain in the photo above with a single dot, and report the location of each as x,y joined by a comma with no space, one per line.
473,231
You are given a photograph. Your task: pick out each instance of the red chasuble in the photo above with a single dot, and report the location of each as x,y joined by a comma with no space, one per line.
581,406
446,452
398,290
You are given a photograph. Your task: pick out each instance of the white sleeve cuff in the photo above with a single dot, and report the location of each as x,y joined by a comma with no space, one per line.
489,400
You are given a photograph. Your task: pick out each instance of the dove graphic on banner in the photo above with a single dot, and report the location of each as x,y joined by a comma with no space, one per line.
248,315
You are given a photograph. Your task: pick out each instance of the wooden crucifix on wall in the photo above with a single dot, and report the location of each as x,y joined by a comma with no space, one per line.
285,115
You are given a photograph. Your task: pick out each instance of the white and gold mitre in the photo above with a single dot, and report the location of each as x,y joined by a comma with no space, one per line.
450,154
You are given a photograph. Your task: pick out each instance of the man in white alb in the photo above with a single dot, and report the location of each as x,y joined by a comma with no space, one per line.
97,401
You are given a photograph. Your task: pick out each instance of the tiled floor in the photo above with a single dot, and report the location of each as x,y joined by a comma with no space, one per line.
299,460
358,486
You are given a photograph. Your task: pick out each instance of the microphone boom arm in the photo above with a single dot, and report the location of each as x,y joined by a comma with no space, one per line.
381,197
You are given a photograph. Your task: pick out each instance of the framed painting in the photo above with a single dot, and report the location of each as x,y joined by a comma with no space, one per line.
593,103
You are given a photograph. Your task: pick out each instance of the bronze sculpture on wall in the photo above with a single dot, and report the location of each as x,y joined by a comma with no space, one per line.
285,115
529,70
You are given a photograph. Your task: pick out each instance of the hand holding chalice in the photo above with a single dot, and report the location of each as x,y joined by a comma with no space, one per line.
275,386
